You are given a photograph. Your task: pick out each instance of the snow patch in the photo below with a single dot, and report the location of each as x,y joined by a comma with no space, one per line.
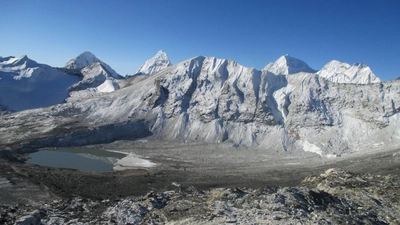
309,147
8,60
331,156
132,161
108,86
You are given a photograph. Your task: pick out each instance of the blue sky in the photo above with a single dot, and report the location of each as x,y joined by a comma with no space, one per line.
125,34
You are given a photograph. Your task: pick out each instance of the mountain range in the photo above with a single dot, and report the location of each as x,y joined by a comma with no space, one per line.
286,106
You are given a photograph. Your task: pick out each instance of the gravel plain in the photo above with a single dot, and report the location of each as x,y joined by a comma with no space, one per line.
208,169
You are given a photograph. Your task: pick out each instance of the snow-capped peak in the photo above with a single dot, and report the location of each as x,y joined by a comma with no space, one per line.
155,64
27,84
161,55
14,63
87,58
340,72
286,65
7,60
82,60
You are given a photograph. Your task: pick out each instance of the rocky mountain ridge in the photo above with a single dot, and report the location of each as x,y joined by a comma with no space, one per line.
82,77
285,107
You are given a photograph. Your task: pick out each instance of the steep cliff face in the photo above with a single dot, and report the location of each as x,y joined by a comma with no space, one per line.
210,100
334,118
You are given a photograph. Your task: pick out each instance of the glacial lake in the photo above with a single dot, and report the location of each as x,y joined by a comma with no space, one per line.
76,158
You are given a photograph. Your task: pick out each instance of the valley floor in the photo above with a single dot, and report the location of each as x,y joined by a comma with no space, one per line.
222,165
211,168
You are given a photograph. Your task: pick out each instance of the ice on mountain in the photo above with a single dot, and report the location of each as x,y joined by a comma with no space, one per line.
108,86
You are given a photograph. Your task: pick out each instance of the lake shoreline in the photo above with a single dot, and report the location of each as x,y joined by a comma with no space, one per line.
201,166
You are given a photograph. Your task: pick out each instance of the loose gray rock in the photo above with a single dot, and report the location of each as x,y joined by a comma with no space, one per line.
334,197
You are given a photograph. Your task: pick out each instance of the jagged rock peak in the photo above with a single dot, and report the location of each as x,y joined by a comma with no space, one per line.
87,58
286,65
159,62
340,72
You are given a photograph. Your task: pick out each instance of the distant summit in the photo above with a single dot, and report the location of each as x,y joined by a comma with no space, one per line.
87,58
82,60
159,62
339,72
19,64
26,84
286,65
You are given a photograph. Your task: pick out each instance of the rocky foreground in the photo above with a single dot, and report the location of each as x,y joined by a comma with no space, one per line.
334,197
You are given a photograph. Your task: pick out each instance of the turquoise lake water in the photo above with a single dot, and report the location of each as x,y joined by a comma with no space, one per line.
76,158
